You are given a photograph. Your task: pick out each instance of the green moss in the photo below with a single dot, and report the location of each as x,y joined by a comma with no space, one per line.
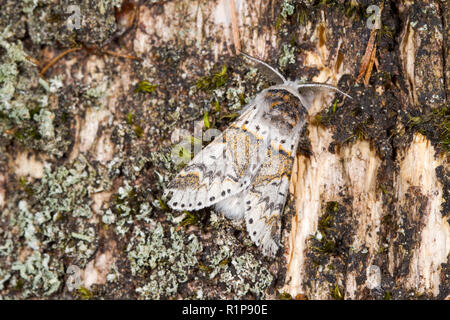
326,245
285,296
25,186
214,81
138,131
204,268
27,134
318,120
325,239
84,293
332,206
334,107
130,118
224,262
336,293
145,86
229,116
206,120
386,31
163,205
435,124
190,218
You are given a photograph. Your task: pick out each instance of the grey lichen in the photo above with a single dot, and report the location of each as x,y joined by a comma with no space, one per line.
167,260
287,8
25,112
68,23
39,273
240,274
55,215
288,56
250,277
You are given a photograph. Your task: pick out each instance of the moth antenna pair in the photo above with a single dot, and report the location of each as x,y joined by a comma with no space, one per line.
300,85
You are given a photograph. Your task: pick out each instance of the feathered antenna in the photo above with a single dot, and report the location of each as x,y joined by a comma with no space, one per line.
266,66
322,85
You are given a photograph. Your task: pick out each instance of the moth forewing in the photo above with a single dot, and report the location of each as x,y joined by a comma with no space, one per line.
222,169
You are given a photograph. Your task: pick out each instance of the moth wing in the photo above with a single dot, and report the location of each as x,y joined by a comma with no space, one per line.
265,199
222,169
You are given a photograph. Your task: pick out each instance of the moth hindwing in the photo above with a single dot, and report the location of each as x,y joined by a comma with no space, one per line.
245,171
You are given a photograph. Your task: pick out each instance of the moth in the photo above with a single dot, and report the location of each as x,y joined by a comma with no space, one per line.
245,171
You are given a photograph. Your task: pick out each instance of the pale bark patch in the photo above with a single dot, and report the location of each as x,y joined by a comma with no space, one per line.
418,169
315,179
98,268
26,165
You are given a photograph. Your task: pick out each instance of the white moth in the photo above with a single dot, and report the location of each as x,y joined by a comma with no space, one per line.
245,171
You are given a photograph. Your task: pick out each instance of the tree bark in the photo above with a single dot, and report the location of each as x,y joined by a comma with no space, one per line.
87,148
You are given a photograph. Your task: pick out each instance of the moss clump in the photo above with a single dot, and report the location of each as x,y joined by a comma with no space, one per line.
336,293
435,124
325,240
285,296
145,87
25,186
214,81
190,218
137,129
84,294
